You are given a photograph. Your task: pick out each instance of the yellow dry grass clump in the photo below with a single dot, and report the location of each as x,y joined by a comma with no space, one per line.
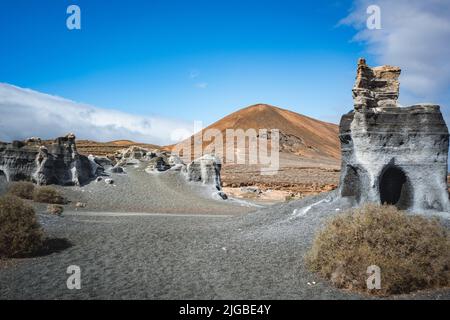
412,252
48,195
21,189
20,233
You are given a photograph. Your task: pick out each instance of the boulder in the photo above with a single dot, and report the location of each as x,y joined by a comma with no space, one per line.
80,205
222,195
160,163
174,160
116,169
205,169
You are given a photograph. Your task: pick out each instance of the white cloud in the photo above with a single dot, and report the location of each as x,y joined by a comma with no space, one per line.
26,113
415,35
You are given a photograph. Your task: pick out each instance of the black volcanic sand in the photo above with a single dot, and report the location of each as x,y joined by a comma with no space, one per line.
139,191
181,255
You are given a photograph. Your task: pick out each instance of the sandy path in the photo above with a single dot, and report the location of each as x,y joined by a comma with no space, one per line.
139,191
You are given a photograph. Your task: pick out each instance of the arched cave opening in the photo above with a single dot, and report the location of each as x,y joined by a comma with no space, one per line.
395,188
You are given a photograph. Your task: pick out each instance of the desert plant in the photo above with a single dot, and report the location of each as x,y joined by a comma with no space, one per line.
48,195
20,233
412,252
21,189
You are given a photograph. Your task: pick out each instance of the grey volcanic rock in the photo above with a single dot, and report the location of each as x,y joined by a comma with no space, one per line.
133,155
51,163
103,161
96,168
395,155
174,160
116,169
205,169
160,163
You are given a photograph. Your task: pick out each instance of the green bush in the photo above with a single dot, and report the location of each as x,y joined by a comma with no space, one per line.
21,189
413,252
20,233
48,195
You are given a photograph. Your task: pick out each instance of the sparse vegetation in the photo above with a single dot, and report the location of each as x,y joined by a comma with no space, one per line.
20,233
48,195
22,189
412,252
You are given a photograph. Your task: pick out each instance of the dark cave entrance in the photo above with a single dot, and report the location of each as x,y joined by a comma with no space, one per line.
395,188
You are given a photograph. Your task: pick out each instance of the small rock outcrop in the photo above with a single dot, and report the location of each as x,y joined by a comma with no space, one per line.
205,169
159,163
390,154
132,155
56,162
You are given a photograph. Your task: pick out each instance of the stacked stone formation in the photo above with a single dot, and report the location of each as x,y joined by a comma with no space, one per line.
376,87
390,154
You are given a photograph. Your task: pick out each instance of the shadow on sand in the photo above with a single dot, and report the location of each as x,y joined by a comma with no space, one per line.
53,245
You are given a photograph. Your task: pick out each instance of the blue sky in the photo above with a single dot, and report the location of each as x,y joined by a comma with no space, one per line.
191,59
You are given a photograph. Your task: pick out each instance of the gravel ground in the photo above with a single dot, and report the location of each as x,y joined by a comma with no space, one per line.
254,256
203,254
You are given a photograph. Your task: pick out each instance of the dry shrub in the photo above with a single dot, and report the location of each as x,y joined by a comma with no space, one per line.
21,189
20,233
48,195
412,252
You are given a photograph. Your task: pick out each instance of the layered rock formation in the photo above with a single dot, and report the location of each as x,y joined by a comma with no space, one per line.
56,162
132,155
205,169
376,87
390,154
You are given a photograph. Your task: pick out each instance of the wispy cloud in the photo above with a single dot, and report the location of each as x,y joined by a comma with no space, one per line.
201,85
194,74
27,113
415,35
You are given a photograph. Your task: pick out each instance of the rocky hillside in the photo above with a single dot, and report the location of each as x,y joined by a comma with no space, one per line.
301,136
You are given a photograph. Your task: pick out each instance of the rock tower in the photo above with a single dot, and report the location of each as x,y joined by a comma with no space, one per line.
391,154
